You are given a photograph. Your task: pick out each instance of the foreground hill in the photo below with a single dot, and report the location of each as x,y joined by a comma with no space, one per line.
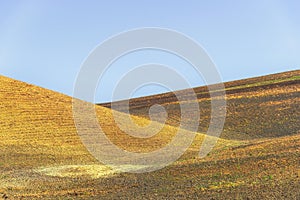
260,107
42,157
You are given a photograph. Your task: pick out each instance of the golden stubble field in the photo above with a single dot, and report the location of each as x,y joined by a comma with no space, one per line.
257,156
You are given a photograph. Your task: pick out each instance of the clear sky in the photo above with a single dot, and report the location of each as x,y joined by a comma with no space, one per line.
44,42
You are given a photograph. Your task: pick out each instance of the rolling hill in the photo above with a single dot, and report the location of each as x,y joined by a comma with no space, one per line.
260,107
257,157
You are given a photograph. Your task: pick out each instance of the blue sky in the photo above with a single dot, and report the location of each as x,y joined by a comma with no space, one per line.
44,42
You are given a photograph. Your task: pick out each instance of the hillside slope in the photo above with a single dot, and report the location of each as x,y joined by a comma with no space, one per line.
38,134
42,157
260,107
37,128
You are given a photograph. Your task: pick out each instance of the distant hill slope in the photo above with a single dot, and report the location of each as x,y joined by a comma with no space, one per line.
266,106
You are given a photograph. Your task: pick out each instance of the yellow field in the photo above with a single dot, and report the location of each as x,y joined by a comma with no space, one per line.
43,157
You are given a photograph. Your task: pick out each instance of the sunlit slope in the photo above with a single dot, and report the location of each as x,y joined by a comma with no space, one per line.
37,128
266,106
42,157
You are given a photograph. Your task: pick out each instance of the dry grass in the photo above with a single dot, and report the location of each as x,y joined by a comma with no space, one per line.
42,156
256,108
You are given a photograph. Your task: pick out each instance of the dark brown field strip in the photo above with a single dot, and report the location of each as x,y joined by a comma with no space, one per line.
170,97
